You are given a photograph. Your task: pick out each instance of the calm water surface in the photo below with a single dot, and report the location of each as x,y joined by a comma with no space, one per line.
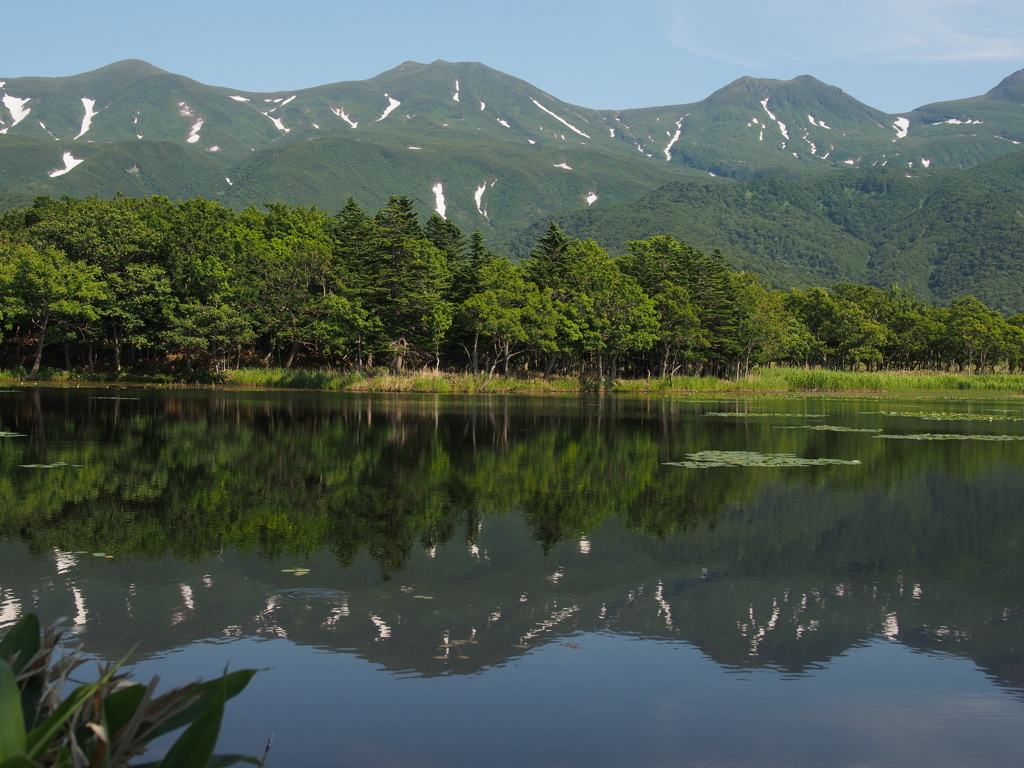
524,581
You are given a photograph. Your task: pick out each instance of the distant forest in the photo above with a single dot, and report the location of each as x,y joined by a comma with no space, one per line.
192,289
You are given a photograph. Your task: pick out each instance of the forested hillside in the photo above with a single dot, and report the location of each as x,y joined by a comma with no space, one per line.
943,234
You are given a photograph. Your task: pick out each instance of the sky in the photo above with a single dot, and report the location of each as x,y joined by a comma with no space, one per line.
891,54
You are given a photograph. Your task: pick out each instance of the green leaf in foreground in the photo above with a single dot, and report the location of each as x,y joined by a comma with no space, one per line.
707,459
929,436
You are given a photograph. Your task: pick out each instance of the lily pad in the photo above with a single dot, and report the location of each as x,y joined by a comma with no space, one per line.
944,416
55,465
99,554
296,571
707,459
422,597
753,415
929,436
829,428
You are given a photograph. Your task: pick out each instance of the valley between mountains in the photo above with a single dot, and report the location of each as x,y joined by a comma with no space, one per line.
794,179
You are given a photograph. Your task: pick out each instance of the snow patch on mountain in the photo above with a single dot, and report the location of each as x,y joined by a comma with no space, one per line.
925,162
70,161
955,121
455,95
415,147
504,123
483,106
782,125
17,109
566,123
531,141
819,123
439,204
478,195
564,165
591,197
675,138
1004,138
611,132
90,113
286,102
344,116
277,121
238,98
214,148
393,104
902,126
185,110
229,181
193,134
43,126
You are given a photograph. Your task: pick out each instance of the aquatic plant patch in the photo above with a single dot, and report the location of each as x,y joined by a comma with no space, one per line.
762,415
708,459
944,416
828,428
929,436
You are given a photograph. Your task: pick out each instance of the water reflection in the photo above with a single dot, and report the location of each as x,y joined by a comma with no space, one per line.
445,539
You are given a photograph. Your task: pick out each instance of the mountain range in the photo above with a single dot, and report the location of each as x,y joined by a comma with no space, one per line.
829,188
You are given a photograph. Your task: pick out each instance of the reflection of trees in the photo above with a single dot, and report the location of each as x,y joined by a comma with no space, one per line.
192,473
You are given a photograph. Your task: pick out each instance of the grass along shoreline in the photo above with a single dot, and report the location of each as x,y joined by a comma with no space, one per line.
767,381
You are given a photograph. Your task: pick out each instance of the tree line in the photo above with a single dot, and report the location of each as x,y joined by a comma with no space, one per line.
194,288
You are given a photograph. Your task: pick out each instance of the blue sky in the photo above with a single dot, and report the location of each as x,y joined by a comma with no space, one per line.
891,54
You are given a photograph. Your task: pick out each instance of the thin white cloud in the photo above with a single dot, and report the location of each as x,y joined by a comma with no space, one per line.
773,32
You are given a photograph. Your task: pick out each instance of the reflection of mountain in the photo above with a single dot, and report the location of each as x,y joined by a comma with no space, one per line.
486,527
463,609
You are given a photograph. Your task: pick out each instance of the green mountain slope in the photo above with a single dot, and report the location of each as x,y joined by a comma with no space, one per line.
945,233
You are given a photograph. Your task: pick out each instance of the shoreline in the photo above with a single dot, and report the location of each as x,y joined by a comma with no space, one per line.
765,382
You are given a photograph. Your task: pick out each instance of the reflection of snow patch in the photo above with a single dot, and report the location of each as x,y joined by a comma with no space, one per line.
439,205
383,630
902,126
344,116
591,199
69,162
584,543
564,165
81,612
90,113
567,124
10,609
186,597
239,98
392,106
193,135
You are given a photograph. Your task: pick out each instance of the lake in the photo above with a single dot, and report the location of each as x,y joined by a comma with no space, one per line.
561,581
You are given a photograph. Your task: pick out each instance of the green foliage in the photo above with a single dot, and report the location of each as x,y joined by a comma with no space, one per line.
109,722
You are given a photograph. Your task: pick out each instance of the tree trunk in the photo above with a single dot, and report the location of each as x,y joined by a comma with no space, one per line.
291,354
39,346
117,356
67,357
